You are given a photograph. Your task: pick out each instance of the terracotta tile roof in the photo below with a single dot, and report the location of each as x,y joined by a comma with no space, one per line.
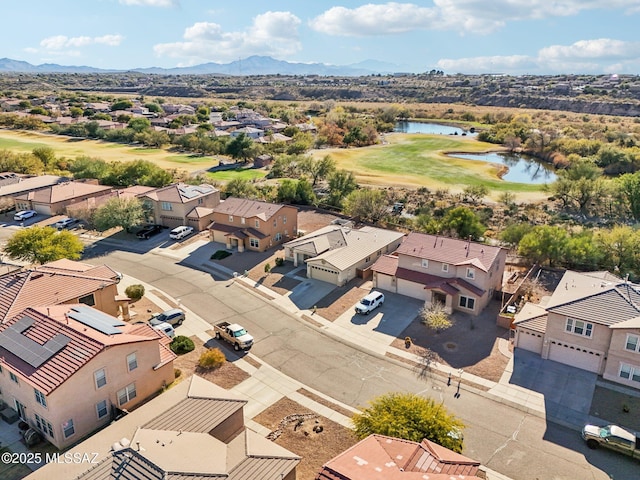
613,305
51,284
533,317
429,281
386,264
241,207
63,191
449,250
200,212
378,457
180,193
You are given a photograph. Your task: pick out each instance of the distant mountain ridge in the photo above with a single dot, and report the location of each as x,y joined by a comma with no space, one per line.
254,65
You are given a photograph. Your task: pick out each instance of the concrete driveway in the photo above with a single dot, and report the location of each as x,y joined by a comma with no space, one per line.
309,293
386,322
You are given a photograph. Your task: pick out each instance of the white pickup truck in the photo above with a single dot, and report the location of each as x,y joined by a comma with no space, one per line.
612,437
234,334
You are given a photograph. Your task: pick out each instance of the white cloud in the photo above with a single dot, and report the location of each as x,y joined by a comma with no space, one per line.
464,16
59,42
150,3
272,33
602,55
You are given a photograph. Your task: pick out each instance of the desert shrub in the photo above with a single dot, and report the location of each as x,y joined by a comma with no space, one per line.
181,345
177,372
134,292
212,359
279,261
220,254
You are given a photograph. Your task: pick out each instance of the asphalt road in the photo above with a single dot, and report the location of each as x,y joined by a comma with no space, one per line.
505,439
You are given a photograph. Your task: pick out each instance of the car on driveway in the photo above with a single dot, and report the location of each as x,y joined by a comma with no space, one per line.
24,214
65,223
369,303
173,317
166,329
179,233
149,231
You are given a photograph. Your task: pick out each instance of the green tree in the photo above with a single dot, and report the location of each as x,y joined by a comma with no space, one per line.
43,244
89,167
240,188
367,204
544,244
46,155
411,417
513,233
620,249
240,147
628,189
475,193
139,125
463,223
119,212
581,183
341,184
321,169
121,105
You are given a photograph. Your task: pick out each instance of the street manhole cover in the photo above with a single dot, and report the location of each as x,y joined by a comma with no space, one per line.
451,346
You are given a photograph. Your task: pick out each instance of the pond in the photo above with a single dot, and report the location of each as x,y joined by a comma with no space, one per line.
431,128
522,168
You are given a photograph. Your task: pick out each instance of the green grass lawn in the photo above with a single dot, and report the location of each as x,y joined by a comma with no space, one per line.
243,173
412,160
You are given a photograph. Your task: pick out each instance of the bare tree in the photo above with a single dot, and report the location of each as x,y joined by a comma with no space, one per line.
435,317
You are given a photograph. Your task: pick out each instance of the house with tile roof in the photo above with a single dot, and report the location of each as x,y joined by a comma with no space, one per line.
339,253
181,204
245,224
460,274
67,370
55,199
194,430
379,457
591,321
59,282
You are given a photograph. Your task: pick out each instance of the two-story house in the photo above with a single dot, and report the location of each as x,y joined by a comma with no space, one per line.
62,281
591,321
252,225
459,274
67,369
182,204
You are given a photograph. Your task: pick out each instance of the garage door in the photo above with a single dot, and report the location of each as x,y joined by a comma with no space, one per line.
575,356
324,274
171,222
530,341
385,282
411,289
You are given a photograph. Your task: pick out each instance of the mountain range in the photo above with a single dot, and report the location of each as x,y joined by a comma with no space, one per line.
254,65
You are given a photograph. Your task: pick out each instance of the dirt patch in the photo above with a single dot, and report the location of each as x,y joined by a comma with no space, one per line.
252,361
143,309
227,376
608,404
315,448
311,220
325,402
307,318
341,299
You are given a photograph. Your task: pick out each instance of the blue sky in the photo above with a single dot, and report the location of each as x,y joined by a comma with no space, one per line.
457,36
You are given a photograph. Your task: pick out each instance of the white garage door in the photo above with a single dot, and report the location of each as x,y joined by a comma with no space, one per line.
575,356
411,289
385,282
324,274
530,341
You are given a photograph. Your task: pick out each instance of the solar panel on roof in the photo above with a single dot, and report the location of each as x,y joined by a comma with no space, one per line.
13,340
96,319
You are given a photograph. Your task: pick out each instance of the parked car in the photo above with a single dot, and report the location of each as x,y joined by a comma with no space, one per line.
65,223
612,437
179,233
166,329
24,214
370,303
174,316
234,334
149,231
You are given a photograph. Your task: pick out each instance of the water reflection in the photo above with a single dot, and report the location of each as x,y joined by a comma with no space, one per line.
431,128
522,168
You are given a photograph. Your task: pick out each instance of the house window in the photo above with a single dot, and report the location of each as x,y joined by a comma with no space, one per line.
101,409
68,429
88,300
13,378
44,426
132,361
40,398
100,377
200,201
471,273
284,220
127,394
578,327
467,302
445,267
278,237
230,218
629,372
633,343
275,222
425,263
166,206
243,220
368,259
257,223
253,242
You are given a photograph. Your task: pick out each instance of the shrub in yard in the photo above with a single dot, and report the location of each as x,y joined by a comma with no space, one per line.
279,261
181,345
134,292
177,372
220,254
212,359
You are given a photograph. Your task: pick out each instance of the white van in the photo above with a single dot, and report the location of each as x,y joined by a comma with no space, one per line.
165,328
370,303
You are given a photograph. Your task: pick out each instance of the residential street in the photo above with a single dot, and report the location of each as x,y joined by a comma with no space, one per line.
505,439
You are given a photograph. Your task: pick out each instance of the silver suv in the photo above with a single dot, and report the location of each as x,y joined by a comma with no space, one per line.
173,317
370,303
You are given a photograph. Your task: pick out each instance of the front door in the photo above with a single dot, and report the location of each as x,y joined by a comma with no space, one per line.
22,410
439,297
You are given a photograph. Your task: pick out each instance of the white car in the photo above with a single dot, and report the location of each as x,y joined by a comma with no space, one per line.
165,328
369,303
179,233
65,223
24,214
